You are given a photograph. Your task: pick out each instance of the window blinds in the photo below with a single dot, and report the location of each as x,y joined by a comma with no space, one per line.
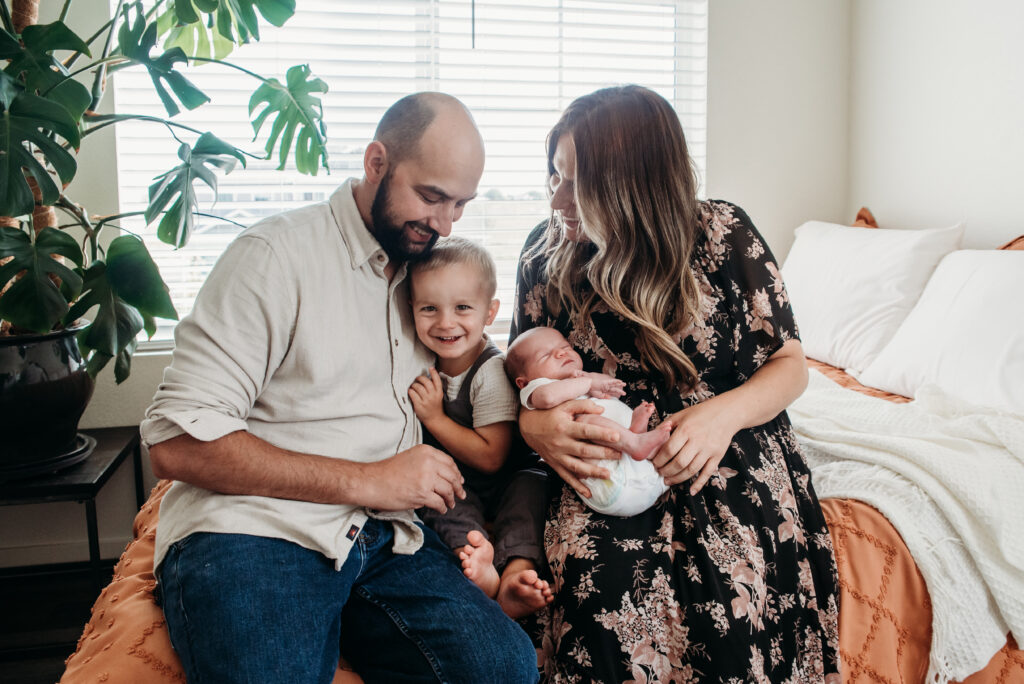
515,64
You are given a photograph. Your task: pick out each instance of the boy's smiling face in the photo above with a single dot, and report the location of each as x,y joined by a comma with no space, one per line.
451,307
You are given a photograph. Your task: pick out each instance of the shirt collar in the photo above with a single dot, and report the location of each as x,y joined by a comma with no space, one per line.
362,246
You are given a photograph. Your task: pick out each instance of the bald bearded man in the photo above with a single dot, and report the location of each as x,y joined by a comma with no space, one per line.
285,422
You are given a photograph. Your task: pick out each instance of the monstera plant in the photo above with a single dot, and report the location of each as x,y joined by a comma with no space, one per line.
57,261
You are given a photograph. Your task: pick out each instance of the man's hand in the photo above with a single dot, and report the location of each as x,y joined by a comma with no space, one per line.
427,396
417,477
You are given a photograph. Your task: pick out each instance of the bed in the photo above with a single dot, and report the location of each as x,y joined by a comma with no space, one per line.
886,613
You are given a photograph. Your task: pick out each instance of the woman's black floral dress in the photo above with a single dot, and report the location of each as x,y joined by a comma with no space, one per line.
736,584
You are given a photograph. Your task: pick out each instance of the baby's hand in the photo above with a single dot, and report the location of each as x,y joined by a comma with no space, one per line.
605,386
427,396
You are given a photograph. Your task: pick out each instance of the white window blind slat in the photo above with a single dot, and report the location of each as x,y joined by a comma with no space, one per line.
515,64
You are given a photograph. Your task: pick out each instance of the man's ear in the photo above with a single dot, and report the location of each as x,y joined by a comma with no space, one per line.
492,311
375,162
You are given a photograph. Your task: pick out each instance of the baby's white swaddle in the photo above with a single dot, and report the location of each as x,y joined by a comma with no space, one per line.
634,486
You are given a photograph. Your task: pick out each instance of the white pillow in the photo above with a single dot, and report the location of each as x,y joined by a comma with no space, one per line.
965,335
851,287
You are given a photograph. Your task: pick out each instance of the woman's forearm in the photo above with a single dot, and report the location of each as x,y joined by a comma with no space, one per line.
770,390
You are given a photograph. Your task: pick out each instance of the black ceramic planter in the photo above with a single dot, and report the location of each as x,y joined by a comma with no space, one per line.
44,388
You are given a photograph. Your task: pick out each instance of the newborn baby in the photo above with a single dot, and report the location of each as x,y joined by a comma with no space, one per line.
548,372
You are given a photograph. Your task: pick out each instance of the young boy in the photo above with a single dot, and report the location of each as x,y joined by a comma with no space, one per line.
548,371
469,408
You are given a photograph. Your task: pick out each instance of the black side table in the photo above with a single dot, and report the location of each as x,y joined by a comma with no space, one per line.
82,482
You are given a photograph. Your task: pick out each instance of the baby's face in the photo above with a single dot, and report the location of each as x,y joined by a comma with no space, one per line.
549,355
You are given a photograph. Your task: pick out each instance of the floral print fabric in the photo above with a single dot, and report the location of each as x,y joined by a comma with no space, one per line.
736,584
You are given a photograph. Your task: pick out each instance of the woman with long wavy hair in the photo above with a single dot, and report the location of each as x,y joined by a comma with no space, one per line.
730,577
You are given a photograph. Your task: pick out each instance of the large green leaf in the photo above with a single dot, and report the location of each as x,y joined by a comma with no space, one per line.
34,61
175,187
9,89
33,301
136,41
295,108
135,278
40,72
234,21
10,46
197,38
123,365
97,361
30,121
115,322
241,14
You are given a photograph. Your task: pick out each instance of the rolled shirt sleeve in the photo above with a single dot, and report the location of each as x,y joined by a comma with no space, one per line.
227,348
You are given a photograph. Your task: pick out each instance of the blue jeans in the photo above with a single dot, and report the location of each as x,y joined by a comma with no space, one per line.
253,609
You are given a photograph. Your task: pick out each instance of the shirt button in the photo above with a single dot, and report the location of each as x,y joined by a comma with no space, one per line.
380,257
396,342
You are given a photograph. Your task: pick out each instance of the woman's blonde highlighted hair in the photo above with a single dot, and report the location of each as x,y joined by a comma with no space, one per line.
636,197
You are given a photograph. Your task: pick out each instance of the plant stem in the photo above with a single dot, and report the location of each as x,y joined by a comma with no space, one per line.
64,11
101,73
91,233
108,25
98,63
114,217
233,66
111,119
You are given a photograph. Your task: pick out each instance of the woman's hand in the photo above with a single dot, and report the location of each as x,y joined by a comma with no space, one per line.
701,435
564,443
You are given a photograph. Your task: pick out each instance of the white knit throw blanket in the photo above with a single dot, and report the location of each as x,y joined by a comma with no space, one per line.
950,478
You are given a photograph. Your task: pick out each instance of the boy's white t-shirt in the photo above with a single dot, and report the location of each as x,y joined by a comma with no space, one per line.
491,393
634,486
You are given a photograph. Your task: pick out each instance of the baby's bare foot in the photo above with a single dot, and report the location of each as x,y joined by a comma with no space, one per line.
522,592
478,563
646,445
641,416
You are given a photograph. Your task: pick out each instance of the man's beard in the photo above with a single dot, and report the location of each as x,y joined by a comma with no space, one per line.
391,236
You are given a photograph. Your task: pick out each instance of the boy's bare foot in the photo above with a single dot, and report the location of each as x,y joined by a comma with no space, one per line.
478,563
521,591
646,445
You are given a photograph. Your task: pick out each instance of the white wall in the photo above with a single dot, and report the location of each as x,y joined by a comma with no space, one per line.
937,115
777,111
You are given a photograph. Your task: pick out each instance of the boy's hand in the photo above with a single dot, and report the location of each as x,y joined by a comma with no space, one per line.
427,396
605,386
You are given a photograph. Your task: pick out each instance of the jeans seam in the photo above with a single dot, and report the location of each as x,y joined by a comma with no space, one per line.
404,629
184,615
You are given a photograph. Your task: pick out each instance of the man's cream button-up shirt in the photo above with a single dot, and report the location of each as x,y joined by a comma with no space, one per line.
299,338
